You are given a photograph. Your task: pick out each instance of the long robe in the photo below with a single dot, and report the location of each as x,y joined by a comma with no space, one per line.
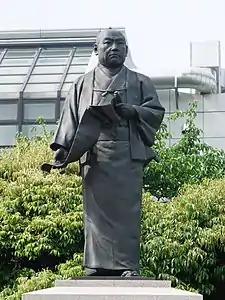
112,170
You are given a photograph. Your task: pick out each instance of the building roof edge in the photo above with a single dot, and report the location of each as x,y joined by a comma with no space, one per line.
52,33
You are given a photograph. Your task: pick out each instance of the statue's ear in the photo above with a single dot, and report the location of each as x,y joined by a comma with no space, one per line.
96,49
126,50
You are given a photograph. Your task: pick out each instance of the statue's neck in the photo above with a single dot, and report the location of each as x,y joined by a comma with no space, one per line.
109,71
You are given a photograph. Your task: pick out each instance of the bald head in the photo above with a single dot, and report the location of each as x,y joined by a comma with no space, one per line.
110,32
111,48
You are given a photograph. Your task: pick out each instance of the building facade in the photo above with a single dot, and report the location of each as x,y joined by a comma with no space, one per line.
38,67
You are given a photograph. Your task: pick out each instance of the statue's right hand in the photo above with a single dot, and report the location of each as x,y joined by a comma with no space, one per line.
117,99
60,154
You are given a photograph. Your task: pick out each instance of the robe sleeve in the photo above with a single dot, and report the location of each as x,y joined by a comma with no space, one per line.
150,113
68,122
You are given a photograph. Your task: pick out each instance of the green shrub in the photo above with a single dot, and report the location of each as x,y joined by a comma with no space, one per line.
41,221
27,280
25,283
41,226
187,161
184,240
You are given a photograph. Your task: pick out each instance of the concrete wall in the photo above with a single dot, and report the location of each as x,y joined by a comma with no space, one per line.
210,115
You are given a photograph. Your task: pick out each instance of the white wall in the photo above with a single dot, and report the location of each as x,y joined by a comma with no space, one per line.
210,115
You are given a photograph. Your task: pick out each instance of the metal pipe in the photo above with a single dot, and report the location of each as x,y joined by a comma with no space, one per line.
202,82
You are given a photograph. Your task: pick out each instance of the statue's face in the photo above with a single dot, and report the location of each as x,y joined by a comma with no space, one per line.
111,49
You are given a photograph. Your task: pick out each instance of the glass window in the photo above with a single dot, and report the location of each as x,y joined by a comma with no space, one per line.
55,52
20,53
80,60
8,111
7,135
84,51
52,61
14,88
48,70
9,95
16,62
32,111
32,130
45,87
77,69
41,91
44,78
40,95
12,79
72,77
14,70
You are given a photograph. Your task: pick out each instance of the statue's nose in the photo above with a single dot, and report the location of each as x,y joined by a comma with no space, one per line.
114,47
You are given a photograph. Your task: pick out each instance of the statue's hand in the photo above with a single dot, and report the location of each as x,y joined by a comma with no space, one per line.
60,154
125,111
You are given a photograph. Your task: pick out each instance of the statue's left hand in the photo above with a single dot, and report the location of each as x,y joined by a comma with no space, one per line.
125,111
60,154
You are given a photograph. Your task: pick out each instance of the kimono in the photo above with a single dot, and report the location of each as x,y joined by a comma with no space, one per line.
112,170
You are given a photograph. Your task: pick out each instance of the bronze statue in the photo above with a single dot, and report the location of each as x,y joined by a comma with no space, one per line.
121,114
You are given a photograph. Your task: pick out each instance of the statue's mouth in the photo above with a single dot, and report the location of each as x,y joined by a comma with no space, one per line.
114,56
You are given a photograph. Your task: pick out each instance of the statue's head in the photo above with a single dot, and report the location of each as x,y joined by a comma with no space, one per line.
111,48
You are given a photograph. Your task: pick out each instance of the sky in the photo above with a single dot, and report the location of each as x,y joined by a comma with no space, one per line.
159,31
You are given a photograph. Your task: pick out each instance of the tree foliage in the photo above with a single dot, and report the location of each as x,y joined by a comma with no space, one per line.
187,161
41,223
184,240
